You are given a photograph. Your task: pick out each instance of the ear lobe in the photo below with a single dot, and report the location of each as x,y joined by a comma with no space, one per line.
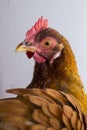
57,49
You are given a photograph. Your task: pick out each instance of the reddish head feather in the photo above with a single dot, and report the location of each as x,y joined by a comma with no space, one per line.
41,24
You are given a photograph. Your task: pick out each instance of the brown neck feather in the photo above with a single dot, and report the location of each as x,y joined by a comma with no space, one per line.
58,74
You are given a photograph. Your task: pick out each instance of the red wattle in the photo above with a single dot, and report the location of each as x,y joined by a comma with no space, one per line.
29,54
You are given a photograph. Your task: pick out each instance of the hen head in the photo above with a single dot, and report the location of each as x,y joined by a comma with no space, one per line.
41,42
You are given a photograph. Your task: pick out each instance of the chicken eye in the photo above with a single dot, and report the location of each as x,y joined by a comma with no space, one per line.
47,43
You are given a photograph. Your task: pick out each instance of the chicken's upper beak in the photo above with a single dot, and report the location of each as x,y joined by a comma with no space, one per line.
21,48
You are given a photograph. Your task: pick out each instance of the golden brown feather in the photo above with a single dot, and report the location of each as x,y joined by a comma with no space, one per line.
37,109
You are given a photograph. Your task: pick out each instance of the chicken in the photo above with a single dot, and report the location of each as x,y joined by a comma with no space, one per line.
55,65
55,99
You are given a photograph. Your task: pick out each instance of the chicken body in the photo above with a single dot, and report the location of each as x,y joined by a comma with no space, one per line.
56,90
38,109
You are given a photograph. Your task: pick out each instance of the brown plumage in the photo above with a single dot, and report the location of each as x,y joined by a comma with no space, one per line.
55,99
37,109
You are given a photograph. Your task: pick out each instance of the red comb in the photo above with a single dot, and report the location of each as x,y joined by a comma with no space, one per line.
41,24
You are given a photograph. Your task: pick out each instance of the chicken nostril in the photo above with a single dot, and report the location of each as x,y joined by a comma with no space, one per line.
26,43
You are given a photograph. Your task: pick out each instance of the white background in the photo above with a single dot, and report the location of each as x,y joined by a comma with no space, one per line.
69,17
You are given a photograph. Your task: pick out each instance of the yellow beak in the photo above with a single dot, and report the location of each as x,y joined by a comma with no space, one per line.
21,48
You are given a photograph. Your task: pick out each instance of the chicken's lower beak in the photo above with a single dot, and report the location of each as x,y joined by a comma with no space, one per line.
21,48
